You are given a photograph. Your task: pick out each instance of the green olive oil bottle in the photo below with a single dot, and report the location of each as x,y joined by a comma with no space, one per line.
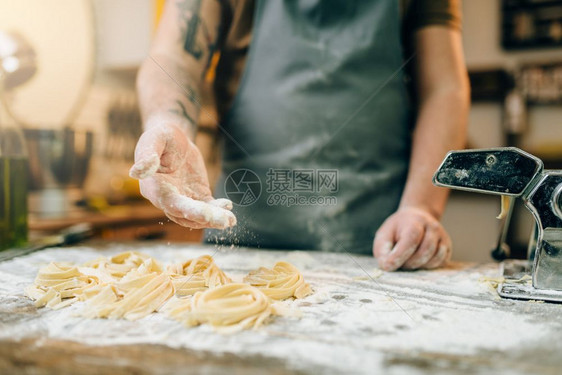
13,187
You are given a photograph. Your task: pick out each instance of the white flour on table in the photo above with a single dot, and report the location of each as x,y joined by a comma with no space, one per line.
346,323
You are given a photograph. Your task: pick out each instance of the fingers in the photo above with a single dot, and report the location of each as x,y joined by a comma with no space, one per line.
384,241
409,239
147,155
426,250
201,212
206,214
145,168
442,256
184,210
222,203
185,223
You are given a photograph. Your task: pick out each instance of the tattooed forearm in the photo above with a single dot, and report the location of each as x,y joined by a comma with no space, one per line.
170,80
198,39
191,95
181,111
189,16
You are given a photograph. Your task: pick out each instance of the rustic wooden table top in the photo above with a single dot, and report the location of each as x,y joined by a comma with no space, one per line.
359,320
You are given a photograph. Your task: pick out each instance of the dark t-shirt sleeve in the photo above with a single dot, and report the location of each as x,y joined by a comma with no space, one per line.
422,13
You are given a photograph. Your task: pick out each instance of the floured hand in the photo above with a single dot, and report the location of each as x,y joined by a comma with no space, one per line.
173,177
411,238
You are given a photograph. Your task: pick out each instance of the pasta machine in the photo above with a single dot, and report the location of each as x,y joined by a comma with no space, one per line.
513,173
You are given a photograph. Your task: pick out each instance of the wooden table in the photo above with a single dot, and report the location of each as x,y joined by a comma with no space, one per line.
358,321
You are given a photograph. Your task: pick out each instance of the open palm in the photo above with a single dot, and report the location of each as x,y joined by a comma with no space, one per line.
173,177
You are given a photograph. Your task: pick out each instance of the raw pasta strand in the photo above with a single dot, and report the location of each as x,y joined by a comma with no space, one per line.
230,307
197,275
281,282
132,285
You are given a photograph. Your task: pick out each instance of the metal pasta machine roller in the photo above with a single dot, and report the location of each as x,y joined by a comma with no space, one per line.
513,173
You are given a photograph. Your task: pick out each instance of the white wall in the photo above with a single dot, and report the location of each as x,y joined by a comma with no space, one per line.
124,29
62,34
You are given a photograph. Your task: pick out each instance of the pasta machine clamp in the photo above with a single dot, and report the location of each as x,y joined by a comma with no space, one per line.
511,172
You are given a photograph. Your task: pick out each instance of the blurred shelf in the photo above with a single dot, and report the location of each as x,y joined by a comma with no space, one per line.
140,221
550,154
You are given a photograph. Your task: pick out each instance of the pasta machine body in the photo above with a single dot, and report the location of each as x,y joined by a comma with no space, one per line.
512,172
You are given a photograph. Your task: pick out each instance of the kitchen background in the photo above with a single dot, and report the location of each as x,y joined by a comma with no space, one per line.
88,54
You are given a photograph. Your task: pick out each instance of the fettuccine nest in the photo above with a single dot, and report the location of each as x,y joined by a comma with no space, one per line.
132,285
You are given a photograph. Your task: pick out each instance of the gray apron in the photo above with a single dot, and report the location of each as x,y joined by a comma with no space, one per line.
322,102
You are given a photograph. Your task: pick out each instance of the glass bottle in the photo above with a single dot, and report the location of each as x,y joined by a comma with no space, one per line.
17,66
13,185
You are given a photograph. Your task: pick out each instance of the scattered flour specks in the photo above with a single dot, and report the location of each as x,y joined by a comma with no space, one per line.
349,322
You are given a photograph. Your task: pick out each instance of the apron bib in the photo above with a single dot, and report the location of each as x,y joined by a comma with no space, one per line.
322,101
